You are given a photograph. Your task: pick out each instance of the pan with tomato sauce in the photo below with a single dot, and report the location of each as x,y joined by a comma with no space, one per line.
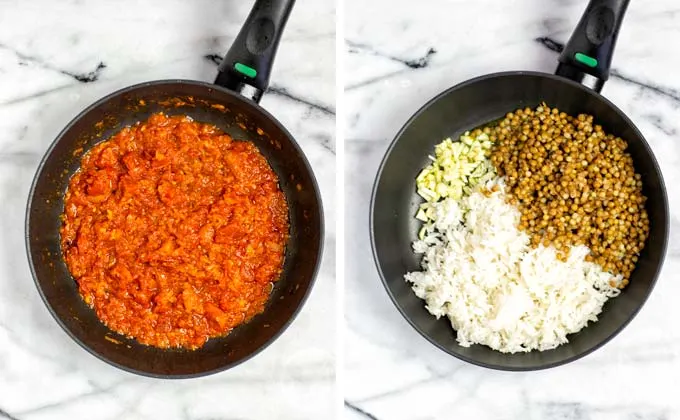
174,231
157,278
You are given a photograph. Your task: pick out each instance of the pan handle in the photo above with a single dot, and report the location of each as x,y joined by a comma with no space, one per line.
248,63
591,46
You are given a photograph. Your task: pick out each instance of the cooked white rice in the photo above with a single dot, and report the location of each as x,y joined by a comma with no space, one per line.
480,271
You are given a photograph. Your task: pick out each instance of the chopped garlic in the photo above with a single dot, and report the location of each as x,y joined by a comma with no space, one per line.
456,169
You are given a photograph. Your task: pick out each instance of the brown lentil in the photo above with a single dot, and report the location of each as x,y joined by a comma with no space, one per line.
574,184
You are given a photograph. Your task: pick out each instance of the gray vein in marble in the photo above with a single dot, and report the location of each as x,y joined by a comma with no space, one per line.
85,77
568,410
19,158
5,415
571,410
358,410
411,64
412,385
550,44
35,95
374,80
553,24
658,122
95,392
325,141
672,94
281,91
22,133
215,58
417,63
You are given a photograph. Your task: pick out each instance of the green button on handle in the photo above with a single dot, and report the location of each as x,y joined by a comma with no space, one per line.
245,70
585,59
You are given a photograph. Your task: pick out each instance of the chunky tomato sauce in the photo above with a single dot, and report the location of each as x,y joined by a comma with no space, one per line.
174,232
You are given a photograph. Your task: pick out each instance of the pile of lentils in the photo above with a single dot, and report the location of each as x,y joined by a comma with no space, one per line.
574,185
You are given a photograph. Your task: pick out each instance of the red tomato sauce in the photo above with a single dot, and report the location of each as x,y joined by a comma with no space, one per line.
174,232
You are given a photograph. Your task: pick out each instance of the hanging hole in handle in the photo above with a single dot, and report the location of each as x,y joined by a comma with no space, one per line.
260,36
600,25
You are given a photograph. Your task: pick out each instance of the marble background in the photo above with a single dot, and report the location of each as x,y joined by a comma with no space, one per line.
398,56
58,57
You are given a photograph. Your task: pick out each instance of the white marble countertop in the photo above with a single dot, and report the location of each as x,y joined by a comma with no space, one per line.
400,56
58,57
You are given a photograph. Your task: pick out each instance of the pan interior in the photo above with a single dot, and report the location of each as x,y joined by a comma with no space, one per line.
462,108
243,121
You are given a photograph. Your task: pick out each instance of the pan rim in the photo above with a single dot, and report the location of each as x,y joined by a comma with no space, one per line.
420,111
246,102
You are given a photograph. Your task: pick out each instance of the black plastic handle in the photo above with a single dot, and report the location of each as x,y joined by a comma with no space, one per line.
591,46
248,63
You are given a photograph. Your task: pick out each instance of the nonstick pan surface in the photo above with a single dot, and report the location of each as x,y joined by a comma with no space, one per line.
238,116
472,104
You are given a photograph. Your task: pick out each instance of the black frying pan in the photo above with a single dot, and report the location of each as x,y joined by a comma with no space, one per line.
225,106
488,98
